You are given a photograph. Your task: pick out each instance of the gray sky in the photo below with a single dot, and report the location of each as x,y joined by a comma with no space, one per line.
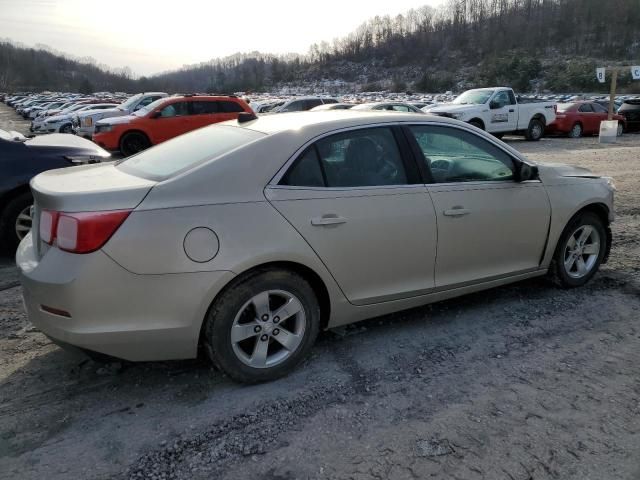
151,36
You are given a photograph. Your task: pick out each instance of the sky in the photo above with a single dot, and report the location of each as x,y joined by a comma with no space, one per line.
153,36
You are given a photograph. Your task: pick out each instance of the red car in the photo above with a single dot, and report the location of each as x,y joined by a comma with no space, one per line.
164,119
582,118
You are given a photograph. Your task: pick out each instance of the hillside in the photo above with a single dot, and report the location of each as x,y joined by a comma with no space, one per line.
532,45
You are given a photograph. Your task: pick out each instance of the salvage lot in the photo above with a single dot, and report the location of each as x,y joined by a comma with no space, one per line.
519,382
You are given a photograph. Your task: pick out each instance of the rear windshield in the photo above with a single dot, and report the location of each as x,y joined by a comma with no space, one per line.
187,151
564,107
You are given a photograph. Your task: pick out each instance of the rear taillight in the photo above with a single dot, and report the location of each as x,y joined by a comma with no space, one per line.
82,232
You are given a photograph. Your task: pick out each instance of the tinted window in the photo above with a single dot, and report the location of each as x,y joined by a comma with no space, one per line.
187,151
359,158
455,155
309,104
599,108
230,107
512,97
176,109
306,171
202,108
330,100
585,108
502,99
294,106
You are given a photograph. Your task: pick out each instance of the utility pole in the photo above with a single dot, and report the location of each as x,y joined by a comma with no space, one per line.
600,74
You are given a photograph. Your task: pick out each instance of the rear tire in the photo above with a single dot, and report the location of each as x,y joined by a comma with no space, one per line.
133,142
620,129
577,259
12,221
576,131
245,337
535,130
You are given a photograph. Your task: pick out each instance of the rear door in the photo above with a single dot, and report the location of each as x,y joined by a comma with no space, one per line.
489,225
358,200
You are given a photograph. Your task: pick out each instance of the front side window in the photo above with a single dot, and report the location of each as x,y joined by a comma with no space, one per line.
599,108
358,158
176,109
454,155
399,108
585,108
502,99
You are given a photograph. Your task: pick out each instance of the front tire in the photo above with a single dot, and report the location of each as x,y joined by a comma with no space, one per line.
263,326
133,142
477,124
535,130
579,252
67,128
620,129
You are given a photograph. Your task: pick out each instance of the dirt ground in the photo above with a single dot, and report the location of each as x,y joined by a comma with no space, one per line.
521,382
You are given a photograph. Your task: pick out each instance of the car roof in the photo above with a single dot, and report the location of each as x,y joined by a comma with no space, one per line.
331,120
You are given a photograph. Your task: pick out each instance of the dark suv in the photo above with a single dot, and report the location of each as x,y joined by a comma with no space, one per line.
303,104
630,110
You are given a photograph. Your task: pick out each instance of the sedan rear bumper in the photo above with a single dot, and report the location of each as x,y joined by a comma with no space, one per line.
91,302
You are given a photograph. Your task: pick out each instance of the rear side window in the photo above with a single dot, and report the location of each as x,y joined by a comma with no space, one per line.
306,172
359,158
309,104
230,107
187,151
585,108
599,108
202,108
330,100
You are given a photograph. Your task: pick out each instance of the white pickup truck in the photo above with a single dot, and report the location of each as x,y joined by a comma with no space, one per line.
497,110
84,123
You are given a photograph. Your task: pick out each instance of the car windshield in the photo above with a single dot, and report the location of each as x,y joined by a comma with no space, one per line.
187,151
130,101
474,97
148,108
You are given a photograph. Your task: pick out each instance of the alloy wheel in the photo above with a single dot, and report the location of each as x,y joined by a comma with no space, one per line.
23,222
581,251
268,329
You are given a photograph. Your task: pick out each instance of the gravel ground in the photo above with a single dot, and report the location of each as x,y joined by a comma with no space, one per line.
521,382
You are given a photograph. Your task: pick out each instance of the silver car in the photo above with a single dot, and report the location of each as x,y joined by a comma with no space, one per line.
248,237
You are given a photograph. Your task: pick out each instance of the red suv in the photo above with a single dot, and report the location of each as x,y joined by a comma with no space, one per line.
164,119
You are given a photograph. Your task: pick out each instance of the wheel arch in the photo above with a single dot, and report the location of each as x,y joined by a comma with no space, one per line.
541,117
315,281
602,211
478,120
133,130
11,194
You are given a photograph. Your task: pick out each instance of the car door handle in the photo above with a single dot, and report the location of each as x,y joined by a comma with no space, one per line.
511,110
457,212
327,220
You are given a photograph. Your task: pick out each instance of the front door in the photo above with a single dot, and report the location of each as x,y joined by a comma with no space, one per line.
489,224
174,120
504,118
357,202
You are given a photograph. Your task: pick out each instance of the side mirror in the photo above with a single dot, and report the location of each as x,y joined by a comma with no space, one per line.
527,172
155,114
494,105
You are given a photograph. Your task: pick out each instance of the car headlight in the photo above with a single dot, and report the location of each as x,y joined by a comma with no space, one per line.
103,128
610,183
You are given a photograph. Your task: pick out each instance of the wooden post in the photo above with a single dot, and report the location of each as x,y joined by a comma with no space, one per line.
612,95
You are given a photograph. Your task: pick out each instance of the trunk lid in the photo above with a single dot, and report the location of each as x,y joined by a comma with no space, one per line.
87,188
